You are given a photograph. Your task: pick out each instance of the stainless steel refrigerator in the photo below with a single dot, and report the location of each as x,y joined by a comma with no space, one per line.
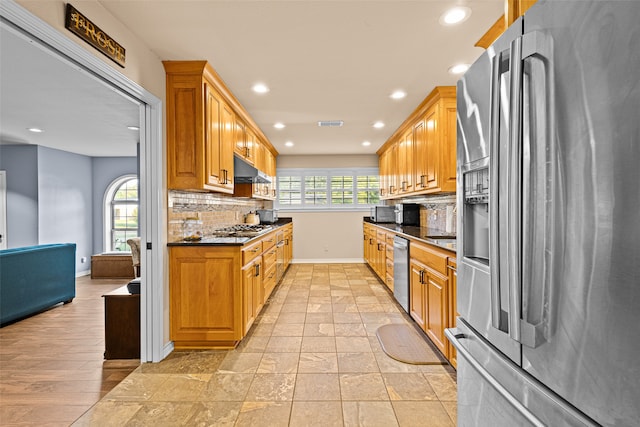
549,221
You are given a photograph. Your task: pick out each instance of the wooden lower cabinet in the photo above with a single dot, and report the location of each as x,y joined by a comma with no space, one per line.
429,292
216,292
288,246
417,294
252,293
432,283
453,311
205,299
437,309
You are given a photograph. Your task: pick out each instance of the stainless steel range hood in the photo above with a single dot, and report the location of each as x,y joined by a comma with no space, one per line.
244,173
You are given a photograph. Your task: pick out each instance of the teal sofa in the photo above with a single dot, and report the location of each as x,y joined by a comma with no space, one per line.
34,278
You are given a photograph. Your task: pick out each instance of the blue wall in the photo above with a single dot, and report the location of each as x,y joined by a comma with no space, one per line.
21,164
54,196
64,182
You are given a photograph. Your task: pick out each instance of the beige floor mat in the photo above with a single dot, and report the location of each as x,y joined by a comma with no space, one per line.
403,343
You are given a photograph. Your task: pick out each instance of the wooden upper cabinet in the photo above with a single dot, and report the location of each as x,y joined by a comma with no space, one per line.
513,10
227,141
185,132
448,138
218,151
206,125
392,169
420,157
405,163
431,159
195,158
257,152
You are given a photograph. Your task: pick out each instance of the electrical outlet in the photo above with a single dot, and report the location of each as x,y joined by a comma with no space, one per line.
83,260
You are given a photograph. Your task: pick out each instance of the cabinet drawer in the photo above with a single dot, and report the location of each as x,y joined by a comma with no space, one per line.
390,267
390,237
430,257
250,252
381,235
269,258
269,242
390,251
389,281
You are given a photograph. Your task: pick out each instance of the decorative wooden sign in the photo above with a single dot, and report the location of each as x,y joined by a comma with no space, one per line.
82,27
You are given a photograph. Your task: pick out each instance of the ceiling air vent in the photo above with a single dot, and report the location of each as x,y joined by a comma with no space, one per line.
330,123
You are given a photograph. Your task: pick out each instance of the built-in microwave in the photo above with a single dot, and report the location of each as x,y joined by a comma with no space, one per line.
383,214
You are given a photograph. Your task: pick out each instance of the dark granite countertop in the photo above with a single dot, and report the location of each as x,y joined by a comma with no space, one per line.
432,236
231,241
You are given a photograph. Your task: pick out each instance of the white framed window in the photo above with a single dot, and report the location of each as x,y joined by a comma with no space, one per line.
327,189
121,206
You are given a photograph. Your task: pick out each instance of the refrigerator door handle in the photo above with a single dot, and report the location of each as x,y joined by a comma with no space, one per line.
455,336
494,180
535,44
514,179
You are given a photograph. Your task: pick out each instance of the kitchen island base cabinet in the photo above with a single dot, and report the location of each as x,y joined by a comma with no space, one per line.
204,297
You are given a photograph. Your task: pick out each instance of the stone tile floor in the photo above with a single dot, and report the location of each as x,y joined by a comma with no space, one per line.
311,358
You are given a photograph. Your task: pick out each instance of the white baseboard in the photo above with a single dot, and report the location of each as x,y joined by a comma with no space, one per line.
328,261
167,349
83,273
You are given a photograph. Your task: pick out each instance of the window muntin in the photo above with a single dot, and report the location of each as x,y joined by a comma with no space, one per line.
290,190
368,187
336,188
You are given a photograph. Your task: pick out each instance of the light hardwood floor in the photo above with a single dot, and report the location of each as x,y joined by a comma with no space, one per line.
51,365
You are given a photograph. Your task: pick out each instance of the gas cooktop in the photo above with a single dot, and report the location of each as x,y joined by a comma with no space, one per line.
242,230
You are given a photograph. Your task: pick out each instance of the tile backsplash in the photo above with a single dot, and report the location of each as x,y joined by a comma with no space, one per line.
214,210
434,211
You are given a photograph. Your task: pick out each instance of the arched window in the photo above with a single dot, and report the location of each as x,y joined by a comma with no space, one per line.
121,213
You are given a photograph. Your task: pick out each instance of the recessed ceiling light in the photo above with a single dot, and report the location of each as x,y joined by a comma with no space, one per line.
378,125
279,125
260,88
455,16
289,144
459,69
133,128
398,94
35,130
366,143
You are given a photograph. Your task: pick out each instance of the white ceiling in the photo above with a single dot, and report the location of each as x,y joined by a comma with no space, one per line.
323,60
40,90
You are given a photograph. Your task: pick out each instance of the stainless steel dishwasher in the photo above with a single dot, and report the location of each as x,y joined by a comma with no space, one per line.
401,271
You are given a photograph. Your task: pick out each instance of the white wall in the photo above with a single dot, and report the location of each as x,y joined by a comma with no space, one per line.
329,236
142,65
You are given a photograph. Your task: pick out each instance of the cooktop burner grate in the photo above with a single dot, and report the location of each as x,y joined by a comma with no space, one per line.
242,230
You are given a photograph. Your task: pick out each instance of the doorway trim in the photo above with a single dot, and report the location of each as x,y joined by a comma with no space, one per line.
151,161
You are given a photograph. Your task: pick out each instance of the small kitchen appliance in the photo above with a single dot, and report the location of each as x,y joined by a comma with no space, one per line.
383,214
407,214
268,216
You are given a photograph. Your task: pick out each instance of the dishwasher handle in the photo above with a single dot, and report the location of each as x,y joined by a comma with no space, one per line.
401,243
